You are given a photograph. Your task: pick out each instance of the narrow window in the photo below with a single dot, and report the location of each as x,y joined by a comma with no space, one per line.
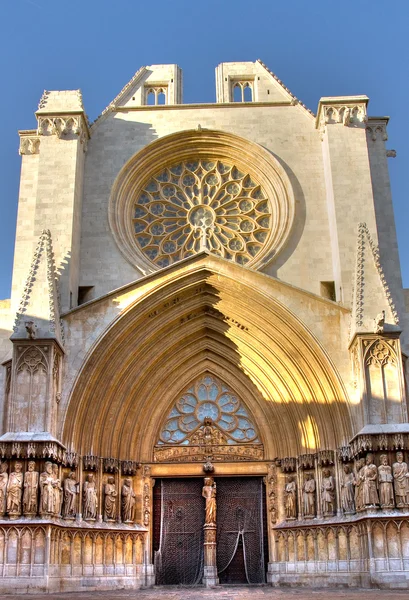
327,290
237,93
85,293
247,93
161,97
150,99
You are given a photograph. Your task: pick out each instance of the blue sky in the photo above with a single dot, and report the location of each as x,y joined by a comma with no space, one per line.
317,48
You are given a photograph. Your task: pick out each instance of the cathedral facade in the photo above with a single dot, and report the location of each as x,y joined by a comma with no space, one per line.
204,353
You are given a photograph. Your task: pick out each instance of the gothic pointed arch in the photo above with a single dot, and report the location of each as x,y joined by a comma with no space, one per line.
206,314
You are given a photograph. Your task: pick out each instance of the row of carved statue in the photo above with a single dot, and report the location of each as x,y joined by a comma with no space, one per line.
365,487
45,494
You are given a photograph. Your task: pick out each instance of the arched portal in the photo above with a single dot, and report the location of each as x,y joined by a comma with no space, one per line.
205,315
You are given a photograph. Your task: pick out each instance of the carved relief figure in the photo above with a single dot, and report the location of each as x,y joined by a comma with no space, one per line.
128,501
14,490
328,492
385,481
291,498
3,487
30,490
369,479
209,493
57,491
89,497
70,496
309,496
47,490
347,491
360,464
400,480
110,494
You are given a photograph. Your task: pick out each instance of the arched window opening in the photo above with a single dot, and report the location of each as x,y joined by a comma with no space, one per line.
150,98
237,95
161,97
247,93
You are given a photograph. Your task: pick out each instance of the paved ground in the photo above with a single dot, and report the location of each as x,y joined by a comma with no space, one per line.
222,593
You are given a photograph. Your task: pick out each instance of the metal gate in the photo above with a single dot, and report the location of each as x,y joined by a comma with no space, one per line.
178,532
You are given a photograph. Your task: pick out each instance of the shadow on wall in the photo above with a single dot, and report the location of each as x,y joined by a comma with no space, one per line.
299,221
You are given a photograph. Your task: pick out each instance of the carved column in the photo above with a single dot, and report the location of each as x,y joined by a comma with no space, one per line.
210,567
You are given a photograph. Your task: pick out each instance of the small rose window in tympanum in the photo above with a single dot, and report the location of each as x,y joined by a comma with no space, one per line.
201,204
208,398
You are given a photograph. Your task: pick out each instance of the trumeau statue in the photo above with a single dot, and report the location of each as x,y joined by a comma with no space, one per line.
30,490
347,491
385,483
14,490
110,495
128,501
47,490
70,496
209,493
89,498
369,479
290,501
309,496
328,492
401,481
3,487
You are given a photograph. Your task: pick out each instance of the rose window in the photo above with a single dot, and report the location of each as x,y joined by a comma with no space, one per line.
208,398
201,204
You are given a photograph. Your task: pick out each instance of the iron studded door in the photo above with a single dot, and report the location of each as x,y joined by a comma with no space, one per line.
240,530
178,531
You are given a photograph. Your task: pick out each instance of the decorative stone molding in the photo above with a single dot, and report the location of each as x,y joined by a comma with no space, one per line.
29,145
64,126
326,458
272,492
307,461
288,464
358,291
391,153
111,465
377,131
129,467
90,462
35,450
349,111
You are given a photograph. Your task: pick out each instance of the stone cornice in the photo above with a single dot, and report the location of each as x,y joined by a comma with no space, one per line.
64,125
348,110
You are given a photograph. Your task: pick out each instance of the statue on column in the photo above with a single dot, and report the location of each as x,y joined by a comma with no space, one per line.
385,483
369,479
401,481
3,487
14,490
348,491
328,493
30,490
57,492
128,499
47,490
89,498
110,495
209,493
309,496
70,496
291,498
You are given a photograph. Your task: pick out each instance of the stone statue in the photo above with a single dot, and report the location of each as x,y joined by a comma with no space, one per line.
369,479
89,498
110,495
128,501
309,496
209,493
291,498
47,490
3,487
70,496
385,483
401,481
360,464
379,322
14,490
347,491
328,493
30,495
57,491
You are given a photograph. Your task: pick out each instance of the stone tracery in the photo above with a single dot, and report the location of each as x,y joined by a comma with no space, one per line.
202,204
